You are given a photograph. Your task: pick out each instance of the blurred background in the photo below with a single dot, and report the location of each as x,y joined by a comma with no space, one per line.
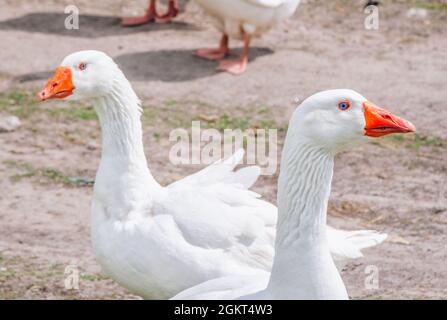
49,153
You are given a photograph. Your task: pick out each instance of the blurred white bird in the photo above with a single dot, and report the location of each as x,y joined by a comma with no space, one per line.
242,19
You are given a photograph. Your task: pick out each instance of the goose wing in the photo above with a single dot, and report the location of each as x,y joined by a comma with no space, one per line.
213,209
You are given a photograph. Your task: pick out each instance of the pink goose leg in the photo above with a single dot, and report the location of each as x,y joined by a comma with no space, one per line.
238,66
172,12
215,54
150,16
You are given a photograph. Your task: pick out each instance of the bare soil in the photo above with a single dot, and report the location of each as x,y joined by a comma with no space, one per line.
396,185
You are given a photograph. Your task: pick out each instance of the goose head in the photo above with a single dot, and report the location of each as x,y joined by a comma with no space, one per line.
82,75
335,118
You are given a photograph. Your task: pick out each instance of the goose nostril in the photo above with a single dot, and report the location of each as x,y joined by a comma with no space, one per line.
41,95
54,85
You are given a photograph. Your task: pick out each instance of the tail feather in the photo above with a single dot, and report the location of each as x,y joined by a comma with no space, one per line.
246,176
234,160
346,245
365,238
223,171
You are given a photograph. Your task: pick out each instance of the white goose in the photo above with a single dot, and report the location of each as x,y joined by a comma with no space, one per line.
157,241
303,267
242,19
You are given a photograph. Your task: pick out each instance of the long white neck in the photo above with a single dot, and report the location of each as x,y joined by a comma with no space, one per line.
123,183
303,267
122,136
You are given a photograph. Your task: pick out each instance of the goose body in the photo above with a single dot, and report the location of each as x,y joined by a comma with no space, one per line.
180,235
233,17
154,240
303,267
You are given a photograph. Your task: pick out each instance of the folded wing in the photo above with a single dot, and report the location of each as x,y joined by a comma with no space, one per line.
214,209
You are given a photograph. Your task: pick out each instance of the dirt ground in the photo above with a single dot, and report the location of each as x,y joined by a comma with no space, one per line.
396,185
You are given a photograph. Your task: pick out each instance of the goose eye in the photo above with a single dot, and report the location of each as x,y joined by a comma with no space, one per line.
344,105
82,66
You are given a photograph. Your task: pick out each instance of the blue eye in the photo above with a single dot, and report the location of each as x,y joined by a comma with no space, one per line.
344,105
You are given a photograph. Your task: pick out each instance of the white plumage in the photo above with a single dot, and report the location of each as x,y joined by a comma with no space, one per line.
303,267
254,17
157,241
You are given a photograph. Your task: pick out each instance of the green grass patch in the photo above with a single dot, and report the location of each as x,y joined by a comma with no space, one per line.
49,174
93,277
414,141
73,113
24,277
149,114
156,136
226,121
18,102
24,104
170,113
421,140
434,5
244,122
171,103
180,114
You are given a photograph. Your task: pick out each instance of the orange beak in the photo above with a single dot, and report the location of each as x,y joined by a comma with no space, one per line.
59,87
380,122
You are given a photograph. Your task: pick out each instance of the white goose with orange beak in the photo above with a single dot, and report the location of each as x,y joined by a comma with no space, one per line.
157,241
303,267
